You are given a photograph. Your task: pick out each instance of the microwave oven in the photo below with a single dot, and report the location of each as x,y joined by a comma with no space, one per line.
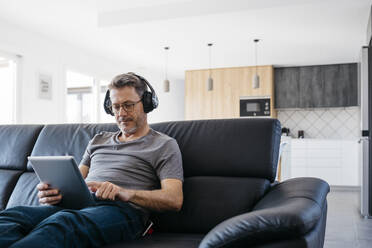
255,106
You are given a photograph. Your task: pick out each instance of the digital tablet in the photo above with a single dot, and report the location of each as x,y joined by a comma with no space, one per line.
62,172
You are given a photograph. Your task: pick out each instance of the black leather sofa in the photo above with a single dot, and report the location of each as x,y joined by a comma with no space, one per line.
230,197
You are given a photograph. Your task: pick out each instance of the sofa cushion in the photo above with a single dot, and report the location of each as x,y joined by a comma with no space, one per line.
67,139
8,179
163,240
25,193
231,148
16,144
209,201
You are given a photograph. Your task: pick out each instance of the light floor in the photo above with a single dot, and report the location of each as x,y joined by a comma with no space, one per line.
345,226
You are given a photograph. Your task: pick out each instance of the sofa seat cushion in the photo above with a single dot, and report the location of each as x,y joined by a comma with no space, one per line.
163,240
209,201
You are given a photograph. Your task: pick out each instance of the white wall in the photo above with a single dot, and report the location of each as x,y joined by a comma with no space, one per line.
171,104
41,54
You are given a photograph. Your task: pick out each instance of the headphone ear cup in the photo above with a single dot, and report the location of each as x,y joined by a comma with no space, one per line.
107,103
147,102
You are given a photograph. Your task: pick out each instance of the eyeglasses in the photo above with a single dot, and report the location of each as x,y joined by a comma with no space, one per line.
127,106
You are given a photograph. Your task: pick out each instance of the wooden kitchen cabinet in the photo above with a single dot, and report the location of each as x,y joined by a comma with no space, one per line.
311,87
340,85
287,87
316,86
229,85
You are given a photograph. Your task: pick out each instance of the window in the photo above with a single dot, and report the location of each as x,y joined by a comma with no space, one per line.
8,69
80,99
85,96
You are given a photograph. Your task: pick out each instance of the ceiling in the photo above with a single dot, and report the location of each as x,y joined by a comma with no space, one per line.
292,32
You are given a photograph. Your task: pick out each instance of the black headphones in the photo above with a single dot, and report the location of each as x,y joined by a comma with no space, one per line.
149,99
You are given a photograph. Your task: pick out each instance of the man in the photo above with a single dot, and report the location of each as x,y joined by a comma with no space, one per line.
131,172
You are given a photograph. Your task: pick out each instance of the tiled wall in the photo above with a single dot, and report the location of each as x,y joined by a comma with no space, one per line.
323,123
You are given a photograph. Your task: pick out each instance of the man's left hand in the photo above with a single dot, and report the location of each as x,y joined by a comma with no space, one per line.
104,190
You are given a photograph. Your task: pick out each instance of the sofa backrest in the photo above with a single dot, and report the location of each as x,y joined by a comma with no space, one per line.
227,147
228,166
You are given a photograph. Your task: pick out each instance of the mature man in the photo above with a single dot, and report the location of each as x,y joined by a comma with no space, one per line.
132,172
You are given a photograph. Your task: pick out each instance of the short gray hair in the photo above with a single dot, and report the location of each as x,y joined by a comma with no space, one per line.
128,80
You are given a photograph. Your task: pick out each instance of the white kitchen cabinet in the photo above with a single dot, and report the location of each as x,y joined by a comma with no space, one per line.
335,161
331,175
299,172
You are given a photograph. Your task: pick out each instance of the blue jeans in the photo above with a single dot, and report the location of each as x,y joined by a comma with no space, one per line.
51,226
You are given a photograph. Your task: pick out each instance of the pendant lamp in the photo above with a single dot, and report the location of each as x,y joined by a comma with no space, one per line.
256,77
210,79
166,84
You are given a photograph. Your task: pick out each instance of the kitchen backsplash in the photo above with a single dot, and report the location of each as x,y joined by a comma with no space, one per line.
322,123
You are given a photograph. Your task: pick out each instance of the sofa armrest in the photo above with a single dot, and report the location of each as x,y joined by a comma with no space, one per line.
290,209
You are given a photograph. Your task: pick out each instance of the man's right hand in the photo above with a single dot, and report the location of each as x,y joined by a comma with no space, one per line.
47,195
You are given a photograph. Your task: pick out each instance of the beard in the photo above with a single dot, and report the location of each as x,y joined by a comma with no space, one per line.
137,123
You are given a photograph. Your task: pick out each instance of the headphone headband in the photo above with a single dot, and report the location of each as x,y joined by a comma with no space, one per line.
145,81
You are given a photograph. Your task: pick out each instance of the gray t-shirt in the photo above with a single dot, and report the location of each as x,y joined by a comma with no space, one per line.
138,164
